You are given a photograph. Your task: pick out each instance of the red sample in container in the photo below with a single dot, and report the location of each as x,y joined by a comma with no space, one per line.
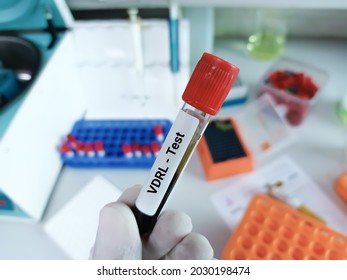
99,148
298,84
293,89
159,134
295,113
127,150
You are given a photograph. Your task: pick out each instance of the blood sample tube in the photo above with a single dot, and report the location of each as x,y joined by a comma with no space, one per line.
205,93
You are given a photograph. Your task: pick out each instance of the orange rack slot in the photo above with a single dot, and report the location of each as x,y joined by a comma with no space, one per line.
271,230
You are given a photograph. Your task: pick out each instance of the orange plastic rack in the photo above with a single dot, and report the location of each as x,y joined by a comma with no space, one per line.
272,230
341,186
227,167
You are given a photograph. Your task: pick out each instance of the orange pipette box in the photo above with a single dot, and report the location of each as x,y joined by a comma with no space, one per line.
223,151
271,229
341,186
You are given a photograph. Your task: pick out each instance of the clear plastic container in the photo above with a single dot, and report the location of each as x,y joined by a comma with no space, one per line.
294,86
262,127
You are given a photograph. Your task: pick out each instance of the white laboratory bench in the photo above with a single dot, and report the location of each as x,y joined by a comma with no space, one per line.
319,149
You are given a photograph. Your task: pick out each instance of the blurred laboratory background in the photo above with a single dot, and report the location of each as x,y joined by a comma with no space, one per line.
89,90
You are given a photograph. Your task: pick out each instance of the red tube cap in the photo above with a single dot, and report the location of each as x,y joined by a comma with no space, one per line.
210,83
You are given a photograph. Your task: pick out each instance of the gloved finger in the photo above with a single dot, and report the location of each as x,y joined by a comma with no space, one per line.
193,247
170,229
117,235
129,195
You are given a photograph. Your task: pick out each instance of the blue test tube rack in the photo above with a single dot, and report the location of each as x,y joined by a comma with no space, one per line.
113,134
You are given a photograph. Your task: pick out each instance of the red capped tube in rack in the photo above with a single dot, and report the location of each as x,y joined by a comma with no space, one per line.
73,141
205,93
158,132
146,151
99,148
137,150
79,147
155,147
89,149
66,150
127,150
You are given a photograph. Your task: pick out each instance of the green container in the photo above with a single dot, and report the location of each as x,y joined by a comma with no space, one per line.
269,36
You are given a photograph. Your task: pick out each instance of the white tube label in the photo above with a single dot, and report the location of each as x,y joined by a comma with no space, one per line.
165,166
